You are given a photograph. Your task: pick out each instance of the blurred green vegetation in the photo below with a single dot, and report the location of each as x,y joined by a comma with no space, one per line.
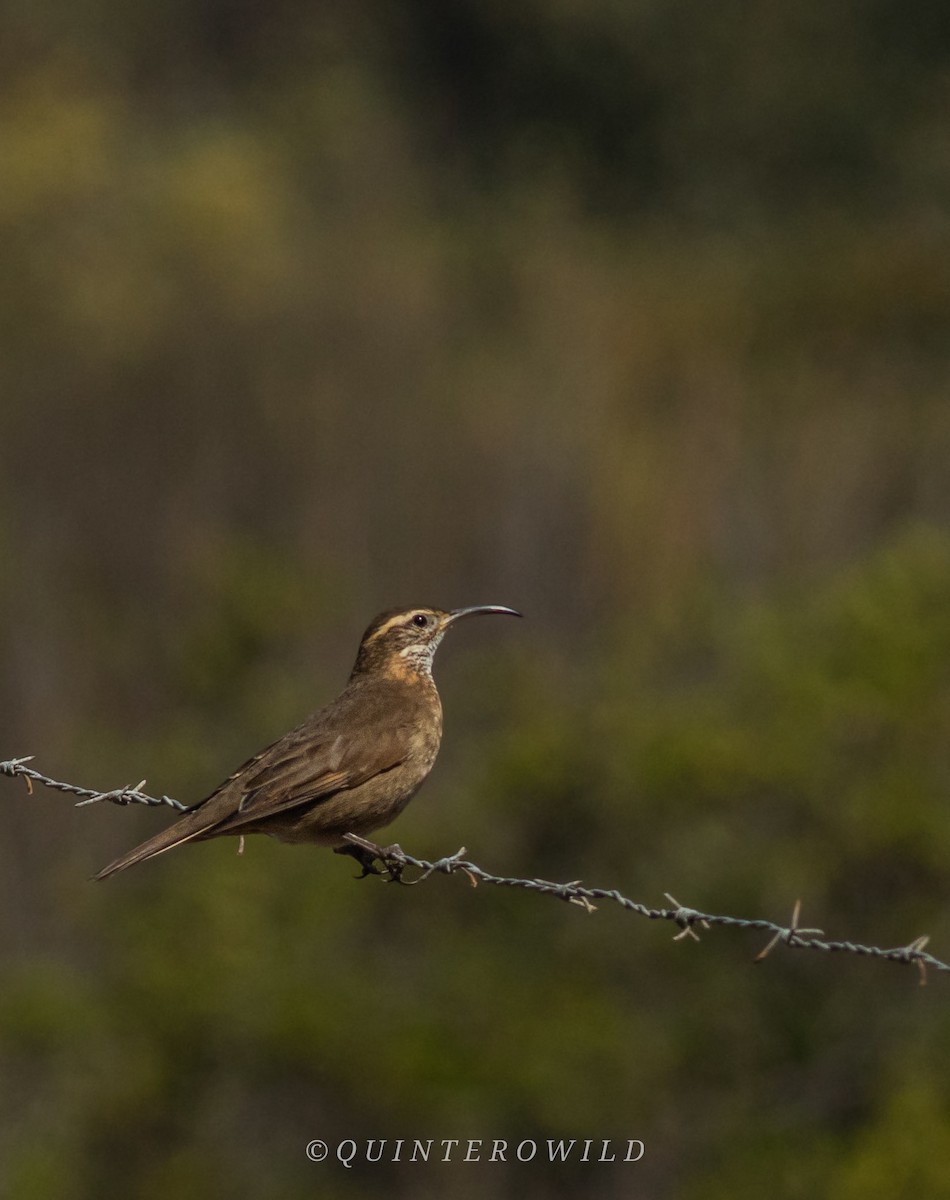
632,316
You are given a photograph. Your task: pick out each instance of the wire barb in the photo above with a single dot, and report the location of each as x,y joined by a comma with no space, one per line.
395,860
913,953
788,935
686,918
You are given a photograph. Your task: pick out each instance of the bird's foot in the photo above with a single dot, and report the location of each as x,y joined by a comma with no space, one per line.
364,856
392,859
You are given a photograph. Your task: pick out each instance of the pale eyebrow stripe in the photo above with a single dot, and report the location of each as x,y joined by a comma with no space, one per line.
397,620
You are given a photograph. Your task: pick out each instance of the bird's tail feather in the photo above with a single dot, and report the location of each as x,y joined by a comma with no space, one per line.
184,830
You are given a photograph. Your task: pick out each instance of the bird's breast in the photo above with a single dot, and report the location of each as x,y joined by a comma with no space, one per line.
424,730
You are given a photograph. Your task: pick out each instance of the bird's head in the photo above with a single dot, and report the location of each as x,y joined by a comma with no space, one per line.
404,640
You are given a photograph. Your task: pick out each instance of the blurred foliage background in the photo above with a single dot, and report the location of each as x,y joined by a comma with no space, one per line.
634,316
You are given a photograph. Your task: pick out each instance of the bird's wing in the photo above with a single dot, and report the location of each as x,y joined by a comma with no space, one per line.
299,770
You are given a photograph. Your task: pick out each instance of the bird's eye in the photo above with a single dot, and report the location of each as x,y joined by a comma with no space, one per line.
420,620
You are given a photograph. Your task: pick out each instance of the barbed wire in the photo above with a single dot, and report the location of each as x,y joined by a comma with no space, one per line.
394,862
122,795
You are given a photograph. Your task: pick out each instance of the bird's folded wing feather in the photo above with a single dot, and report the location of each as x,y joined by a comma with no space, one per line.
296,770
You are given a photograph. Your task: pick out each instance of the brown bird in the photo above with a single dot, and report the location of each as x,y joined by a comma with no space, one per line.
351,767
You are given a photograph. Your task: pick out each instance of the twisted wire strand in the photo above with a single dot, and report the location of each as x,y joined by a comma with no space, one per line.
394,861
123,795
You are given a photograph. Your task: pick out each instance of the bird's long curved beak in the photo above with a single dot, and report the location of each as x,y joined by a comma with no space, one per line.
481,610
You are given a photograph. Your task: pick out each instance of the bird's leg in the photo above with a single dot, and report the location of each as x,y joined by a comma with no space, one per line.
365,857
368,853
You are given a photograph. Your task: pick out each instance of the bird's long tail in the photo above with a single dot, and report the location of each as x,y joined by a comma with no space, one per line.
191,826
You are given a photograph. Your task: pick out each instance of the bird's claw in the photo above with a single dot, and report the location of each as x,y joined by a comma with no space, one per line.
368,854
364,856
